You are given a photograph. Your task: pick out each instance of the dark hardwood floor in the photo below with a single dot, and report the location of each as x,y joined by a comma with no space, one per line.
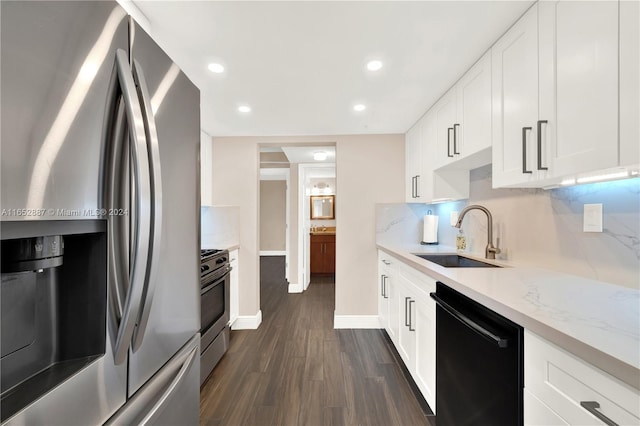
297,370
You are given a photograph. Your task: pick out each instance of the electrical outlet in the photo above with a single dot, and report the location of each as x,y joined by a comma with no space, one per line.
592,220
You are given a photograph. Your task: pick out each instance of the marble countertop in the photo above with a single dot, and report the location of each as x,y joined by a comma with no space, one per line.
322,232
598,322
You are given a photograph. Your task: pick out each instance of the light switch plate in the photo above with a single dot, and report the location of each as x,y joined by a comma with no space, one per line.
453,218
592,221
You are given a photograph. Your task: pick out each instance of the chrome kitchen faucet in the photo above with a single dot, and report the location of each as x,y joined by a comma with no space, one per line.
491,251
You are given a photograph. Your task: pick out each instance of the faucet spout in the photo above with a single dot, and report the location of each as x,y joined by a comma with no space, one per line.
490,251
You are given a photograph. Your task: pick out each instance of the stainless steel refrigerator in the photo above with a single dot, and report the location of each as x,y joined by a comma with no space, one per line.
99,153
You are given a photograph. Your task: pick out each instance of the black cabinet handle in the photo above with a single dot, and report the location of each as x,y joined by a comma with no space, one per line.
540,122
417,192
411,322
524,150
413,187
455,140
384,287
385,295
500,341
591,406
406,310
449,142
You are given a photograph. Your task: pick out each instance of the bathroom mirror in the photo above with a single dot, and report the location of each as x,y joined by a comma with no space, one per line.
322,207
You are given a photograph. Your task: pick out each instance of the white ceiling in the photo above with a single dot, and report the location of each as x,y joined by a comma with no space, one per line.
301,65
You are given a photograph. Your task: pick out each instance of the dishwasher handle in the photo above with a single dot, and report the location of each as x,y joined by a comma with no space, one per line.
500,341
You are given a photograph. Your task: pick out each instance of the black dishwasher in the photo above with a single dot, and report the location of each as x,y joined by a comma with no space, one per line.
479,364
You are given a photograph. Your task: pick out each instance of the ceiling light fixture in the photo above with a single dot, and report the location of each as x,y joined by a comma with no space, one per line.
374,65
359,107
320,156
244,108
216,68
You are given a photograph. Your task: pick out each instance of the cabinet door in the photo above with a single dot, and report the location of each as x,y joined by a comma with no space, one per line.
629,82
406,333
393,321
383,298
514,71
579,84
445,116
425,326
536,413
412,164
316,257
330,256
473,105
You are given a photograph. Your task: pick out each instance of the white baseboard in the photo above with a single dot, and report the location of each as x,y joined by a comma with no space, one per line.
356,321
247,322
272,253
295,288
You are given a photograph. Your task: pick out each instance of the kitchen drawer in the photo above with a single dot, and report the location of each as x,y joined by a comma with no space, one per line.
561,381
422,284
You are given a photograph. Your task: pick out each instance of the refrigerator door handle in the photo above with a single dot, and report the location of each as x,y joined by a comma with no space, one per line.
140,167
155,183
151,416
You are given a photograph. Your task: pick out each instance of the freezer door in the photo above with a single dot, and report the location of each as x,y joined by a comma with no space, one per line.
171,397
57,59
170,311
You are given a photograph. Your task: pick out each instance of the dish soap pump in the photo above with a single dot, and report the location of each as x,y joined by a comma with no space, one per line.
461,241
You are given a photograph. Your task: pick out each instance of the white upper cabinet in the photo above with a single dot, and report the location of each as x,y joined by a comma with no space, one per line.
463,117
444,112
555,94
472,130
629,83
413,166
579,47
515,102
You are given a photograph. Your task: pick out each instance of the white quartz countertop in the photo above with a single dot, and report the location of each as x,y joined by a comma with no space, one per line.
598,322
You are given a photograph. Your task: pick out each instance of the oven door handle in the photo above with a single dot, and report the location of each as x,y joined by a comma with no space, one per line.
216,282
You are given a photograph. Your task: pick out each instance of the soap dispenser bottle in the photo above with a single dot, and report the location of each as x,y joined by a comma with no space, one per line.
461,241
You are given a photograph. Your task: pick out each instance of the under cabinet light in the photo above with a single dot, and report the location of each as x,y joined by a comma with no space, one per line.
597,178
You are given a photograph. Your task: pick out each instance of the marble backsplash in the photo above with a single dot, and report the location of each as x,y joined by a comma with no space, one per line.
537,227
219,227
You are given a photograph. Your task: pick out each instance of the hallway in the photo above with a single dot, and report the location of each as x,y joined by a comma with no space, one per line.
297,370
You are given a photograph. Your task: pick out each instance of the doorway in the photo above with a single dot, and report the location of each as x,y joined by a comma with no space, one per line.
294,166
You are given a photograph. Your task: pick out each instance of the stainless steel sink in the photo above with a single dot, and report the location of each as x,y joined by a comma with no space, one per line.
455,261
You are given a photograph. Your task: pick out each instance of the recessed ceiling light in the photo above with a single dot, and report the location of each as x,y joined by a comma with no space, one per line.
320,156
244,108
359,107
374,65
216,68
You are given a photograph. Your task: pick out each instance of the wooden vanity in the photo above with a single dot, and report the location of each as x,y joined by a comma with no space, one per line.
323,251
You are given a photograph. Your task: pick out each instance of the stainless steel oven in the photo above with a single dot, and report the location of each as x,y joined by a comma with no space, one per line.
214,308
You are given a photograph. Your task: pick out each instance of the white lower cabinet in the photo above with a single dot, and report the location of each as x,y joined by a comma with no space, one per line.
417,329
387,296
536,413
425,331
563,389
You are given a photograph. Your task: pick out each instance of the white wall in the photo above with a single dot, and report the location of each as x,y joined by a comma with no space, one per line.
273,215
369,170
